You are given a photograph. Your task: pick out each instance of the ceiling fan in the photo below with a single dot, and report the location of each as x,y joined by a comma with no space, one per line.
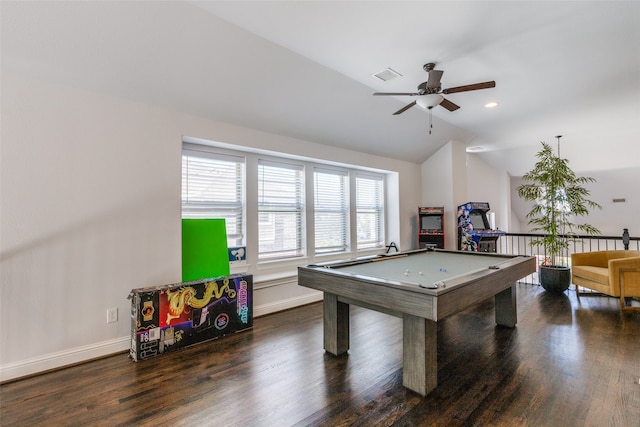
430,92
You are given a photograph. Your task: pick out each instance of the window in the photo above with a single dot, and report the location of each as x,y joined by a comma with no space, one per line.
280,210
267,199
331,210
213,187
370,211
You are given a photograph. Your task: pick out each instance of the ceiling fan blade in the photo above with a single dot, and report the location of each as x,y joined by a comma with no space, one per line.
434,79
394,94
467,88
405,108
449,105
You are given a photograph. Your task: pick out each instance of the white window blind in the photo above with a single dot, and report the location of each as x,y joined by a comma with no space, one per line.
370,211
331,210
280,210
213,187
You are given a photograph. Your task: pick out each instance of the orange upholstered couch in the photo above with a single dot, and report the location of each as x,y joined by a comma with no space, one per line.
615,273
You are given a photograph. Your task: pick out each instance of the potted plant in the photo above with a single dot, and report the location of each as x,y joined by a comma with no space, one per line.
560,198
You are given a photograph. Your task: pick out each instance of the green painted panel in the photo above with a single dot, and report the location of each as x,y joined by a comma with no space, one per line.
204,249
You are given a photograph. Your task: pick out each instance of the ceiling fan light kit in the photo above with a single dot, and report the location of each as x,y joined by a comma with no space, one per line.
429,101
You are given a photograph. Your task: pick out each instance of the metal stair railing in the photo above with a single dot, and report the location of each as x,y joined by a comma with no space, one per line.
519,244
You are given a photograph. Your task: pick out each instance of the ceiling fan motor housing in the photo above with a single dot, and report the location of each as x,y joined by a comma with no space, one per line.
424,90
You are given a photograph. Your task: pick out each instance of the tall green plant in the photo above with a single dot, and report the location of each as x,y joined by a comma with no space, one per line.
559,197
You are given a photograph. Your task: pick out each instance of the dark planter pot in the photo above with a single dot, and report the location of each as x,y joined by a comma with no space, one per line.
555,279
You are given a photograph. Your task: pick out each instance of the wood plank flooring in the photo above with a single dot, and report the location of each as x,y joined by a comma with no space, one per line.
568,362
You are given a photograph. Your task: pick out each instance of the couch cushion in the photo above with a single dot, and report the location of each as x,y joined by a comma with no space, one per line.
594,274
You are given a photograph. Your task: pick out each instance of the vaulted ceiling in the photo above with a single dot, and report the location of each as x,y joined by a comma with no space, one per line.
305,69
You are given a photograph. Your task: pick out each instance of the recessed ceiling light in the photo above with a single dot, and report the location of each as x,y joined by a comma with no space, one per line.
491,104
474,149
387,74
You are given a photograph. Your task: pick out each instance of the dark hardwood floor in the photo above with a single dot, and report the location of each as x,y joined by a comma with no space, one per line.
567,363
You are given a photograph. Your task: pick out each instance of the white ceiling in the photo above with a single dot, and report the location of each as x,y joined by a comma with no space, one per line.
304,69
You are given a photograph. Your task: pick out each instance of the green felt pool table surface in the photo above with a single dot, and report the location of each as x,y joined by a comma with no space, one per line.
423,268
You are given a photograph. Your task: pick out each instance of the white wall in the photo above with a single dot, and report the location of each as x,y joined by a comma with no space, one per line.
486,184
437,189
86,217
613,217
609,185
90,196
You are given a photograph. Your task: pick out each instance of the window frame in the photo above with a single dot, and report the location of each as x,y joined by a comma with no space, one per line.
338,207
377,209
279,209
236,230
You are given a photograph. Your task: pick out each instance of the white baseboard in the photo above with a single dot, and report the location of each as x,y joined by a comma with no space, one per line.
80,354
63,358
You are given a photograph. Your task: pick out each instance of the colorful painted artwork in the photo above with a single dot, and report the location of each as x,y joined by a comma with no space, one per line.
166,318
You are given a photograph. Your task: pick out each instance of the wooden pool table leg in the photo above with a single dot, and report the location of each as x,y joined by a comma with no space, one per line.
336,325
419,354
506,307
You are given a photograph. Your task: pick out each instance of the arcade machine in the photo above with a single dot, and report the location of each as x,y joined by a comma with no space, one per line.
474,230
430,227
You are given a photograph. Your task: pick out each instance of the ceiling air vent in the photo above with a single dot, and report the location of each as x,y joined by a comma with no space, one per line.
621,200
387,74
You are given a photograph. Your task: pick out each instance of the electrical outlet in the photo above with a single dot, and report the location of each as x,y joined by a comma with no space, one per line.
112,315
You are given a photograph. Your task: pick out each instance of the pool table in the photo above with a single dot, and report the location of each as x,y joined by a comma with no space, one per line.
421,287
